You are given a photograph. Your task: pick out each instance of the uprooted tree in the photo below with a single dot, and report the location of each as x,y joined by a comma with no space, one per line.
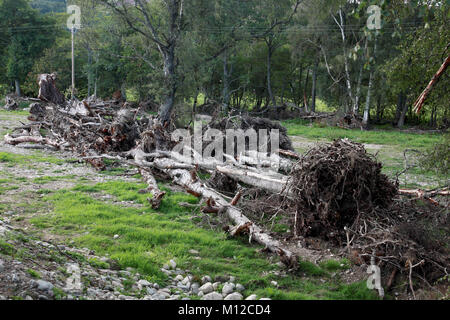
334,192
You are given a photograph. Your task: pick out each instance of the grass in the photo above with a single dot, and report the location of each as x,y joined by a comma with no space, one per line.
148,239
14,158
298,127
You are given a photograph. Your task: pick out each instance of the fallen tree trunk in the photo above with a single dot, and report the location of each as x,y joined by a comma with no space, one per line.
153,189
421,100
184,179
34,139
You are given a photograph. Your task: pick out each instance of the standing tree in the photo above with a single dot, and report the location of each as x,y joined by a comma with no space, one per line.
26,34
161,23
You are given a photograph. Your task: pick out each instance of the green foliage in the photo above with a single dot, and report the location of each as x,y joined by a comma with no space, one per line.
437,157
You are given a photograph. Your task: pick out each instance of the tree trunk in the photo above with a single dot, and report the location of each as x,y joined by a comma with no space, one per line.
226,85
369,90
314,87
90,75
269,75
358,88
401,120
165,110
17,85
346,65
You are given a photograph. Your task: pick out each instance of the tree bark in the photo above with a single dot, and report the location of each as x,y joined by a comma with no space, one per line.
369,90
314,86
17,85
269,72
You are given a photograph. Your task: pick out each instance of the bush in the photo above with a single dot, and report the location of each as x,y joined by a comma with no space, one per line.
437,157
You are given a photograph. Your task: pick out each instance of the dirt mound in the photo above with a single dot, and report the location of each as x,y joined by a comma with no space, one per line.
332,184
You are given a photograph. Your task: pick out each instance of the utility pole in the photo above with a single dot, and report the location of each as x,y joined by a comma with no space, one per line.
73,24
73,63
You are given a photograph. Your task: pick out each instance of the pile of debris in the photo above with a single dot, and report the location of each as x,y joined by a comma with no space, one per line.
335,192
333,184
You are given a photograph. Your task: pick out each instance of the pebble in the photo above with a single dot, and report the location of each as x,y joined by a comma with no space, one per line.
179,278
212,296
234,296
2,267
206,288
192,251
144,283
240,287
44,285
206,279
173,264
252,297
116,236
227,289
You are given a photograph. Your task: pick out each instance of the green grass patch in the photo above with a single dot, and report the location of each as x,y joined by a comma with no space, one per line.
34,273
150,238
14,158
299,127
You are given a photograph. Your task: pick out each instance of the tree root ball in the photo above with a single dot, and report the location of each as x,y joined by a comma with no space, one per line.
333,184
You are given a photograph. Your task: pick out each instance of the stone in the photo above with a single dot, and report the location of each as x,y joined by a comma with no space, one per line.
212,296
240,287
192,251
173,264
44,285
206,288
200,294
234,296
252,297
265,299
216,285
195,288
206,279
227,289
2,266
151,291
186,280
144,283
274,283
116,236
179,278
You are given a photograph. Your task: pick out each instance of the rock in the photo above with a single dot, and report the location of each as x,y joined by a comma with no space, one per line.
165,267
186,280
195,252
200,294
234,296
240,287
116,236
265,299
195,288
206,279
212,296
44,285
206,288
252,297
179,278
151,291
274,283
2,266
232,279
173,264
227,289
144,283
